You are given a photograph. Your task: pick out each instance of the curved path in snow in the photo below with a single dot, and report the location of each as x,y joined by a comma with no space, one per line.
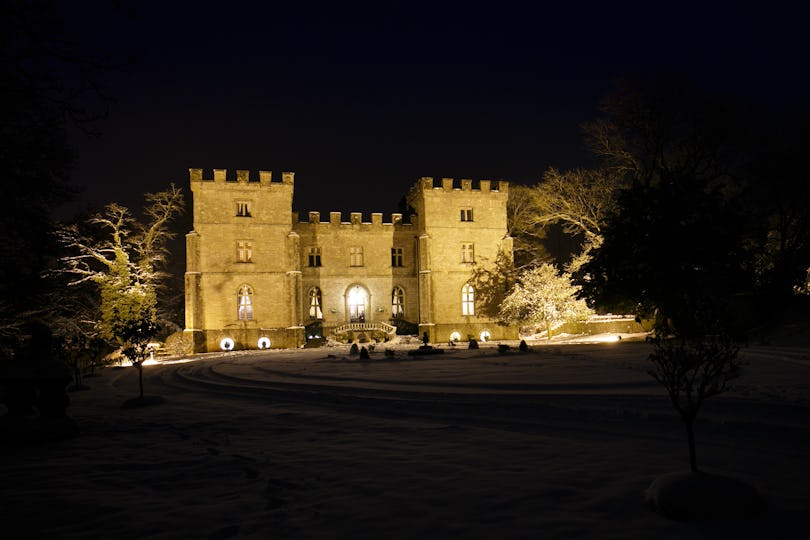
568,387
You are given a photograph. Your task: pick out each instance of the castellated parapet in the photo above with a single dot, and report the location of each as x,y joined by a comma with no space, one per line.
355,219
462,185
257,275
241,177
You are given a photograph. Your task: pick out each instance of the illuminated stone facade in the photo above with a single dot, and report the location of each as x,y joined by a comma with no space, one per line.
257,275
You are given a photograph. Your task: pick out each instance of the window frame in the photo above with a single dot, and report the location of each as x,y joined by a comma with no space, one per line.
244,303
356,256
314,257
467,252
467,300
243,208
244,251
397,257
315,297
397,302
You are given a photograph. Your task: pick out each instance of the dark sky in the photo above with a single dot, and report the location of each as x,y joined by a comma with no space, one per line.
359,99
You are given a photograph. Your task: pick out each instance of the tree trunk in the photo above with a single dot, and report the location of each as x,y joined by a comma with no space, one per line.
140,378
548,330
690,432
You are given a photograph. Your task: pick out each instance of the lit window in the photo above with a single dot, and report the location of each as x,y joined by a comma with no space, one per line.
397,302
244,303
466,214
242,209
467,252
356,256
244,251
357,297
315,311
314,256
396,257
467,300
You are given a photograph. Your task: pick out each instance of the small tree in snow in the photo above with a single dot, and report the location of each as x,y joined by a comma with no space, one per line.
125,264
692,371
542,296
134,332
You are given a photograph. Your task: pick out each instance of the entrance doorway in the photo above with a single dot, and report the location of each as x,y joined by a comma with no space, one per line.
357,299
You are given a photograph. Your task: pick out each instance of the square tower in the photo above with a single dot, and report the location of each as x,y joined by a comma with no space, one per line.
461,224
242,269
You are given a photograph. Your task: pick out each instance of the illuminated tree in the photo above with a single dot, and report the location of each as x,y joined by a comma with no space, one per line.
528,235
126,266
577,201
542,296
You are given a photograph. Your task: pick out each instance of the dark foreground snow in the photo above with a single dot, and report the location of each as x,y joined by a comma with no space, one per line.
560,442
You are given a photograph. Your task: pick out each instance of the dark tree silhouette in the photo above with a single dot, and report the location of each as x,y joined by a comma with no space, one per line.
675,244
673,249
780,194
47,84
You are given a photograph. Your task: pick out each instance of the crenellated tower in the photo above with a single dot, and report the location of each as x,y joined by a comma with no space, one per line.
243,274
460,224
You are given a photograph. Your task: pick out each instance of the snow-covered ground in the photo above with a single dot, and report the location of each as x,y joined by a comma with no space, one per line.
559,442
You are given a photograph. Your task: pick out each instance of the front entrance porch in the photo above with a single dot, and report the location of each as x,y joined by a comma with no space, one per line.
371,330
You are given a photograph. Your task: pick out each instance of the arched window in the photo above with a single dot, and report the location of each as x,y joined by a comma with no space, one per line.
397,303
315,311
467,300
244,303
356,300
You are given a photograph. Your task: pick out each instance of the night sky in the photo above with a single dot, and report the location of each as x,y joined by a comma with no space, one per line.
360,101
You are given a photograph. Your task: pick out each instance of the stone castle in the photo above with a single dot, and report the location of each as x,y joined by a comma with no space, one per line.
257,277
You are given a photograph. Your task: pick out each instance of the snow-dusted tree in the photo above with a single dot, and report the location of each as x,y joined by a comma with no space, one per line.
541,295
72,317
126,265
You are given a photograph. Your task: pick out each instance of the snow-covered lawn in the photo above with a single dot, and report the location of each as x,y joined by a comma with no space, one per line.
559,442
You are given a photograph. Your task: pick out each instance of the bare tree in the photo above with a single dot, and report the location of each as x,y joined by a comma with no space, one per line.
579,201
127,267
527,233
693,371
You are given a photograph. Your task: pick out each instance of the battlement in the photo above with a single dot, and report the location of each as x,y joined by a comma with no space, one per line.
428,183
355,218
241,176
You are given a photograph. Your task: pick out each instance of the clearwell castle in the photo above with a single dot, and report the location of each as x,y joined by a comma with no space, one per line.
258,277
